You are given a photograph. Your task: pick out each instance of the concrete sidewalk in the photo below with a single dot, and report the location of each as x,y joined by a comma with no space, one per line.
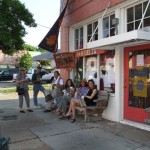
44,131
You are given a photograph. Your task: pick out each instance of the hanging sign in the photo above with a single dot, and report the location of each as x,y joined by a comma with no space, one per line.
65,60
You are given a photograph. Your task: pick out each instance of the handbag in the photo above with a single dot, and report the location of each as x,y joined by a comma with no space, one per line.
20,90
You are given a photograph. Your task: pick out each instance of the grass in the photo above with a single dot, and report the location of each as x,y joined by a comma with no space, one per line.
13,89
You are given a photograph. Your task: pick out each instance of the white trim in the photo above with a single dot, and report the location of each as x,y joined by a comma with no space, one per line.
121,38
135,124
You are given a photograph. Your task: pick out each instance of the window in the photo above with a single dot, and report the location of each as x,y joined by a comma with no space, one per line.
90,30
79,38
108,27
134,16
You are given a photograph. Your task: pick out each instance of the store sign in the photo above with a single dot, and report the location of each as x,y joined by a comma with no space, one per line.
65,60
85,52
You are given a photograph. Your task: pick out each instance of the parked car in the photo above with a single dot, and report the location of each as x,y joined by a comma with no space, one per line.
46,75
7,75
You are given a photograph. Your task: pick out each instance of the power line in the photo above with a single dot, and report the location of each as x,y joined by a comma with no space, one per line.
43,26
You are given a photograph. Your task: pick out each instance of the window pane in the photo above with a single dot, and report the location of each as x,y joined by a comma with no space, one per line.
81,43
111,18
105,23
81,32
94,26
76,44
130,27
138,11
89,29
130,14
148,10
112,32
76,34
88,38
105,33
95,37
137,24
146,22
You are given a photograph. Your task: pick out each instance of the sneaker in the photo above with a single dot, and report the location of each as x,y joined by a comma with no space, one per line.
47,110
22,111
30,110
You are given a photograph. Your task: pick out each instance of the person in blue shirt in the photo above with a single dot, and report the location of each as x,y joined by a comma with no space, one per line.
81,91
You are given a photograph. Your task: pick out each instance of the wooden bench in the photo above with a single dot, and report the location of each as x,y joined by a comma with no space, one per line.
95,111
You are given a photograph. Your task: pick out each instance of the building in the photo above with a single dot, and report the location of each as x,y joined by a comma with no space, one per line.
111,40
11,61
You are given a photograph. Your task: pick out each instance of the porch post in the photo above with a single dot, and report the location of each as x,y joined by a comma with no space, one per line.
119,81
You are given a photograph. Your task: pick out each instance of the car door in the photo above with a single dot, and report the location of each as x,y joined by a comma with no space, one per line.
5,76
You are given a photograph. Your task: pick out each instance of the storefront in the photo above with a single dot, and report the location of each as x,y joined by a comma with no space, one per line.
116,54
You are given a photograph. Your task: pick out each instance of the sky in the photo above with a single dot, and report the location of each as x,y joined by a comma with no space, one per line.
45,13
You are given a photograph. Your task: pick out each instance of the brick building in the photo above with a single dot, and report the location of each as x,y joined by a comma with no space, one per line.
111,40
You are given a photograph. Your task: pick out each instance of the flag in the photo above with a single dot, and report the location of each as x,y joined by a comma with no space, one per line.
50,41
65,60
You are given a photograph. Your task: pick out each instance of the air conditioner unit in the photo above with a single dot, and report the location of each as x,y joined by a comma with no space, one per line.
115,21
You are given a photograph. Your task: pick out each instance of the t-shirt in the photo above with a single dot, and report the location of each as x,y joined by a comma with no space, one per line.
36,77
61,81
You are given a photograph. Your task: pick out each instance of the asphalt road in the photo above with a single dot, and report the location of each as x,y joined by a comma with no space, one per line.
7,84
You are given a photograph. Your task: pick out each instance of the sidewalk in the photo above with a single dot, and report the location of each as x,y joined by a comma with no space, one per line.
44,131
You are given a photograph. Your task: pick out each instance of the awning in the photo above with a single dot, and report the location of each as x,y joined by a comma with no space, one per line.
110,42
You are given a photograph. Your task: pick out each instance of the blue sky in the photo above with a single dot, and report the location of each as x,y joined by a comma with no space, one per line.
45,13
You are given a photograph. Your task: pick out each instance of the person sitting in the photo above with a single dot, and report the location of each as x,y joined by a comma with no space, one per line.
88,99
66,98
81,91
57,86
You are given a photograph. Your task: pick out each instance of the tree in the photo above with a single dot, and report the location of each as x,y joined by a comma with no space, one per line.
13,16
26,61
29,47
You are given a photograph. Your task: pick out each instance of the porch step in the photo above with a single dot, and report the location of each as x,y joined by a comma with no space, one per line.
147,121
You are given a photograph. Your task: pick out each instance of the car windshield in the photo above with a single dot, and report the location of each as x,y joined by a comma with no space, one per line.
1,72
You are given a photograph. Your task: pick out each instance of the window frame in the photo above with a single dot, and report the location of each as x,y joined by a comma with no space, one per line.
136,20
93,24
79,39
109,26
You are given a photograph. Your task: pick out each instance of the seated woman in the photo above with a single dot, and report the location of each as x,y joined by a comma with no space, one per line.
89,100
81,91
66,98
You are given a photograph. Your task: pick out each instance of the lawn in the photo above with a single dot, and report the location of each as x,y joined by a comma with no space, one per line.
13,89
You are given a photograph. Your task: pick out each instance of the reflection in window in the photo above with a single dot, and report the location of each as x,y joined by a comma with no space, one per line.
108,27
107,71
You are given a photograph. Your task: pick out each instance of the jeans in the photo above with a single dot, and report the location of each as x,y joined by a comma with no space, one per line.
36,89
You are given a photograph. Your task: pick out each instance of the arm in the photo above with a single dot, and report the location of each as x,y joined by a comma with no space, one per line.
34,79
92,95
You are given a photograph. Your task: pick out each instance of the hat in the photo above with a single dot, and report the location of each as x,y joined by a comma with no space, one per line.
83,80
22,69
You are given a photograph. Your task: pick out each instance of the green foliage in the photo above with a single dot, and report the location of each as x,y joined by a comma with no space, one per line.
45,63
13,16
41,50
26,61
29,47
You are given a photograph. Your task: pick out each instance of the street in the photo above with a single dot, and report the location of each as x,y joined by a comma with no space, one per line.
44,131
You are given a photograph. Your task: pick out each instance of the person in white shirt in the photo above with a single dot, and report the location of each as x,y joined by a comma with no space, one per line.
57,87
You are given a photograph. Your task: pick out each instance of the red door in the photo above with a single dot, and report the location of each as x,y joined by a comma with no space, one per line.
136,82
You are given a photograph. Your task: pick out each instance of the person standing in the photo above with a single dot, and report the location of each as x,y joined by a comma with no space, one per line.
37,85
22,81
